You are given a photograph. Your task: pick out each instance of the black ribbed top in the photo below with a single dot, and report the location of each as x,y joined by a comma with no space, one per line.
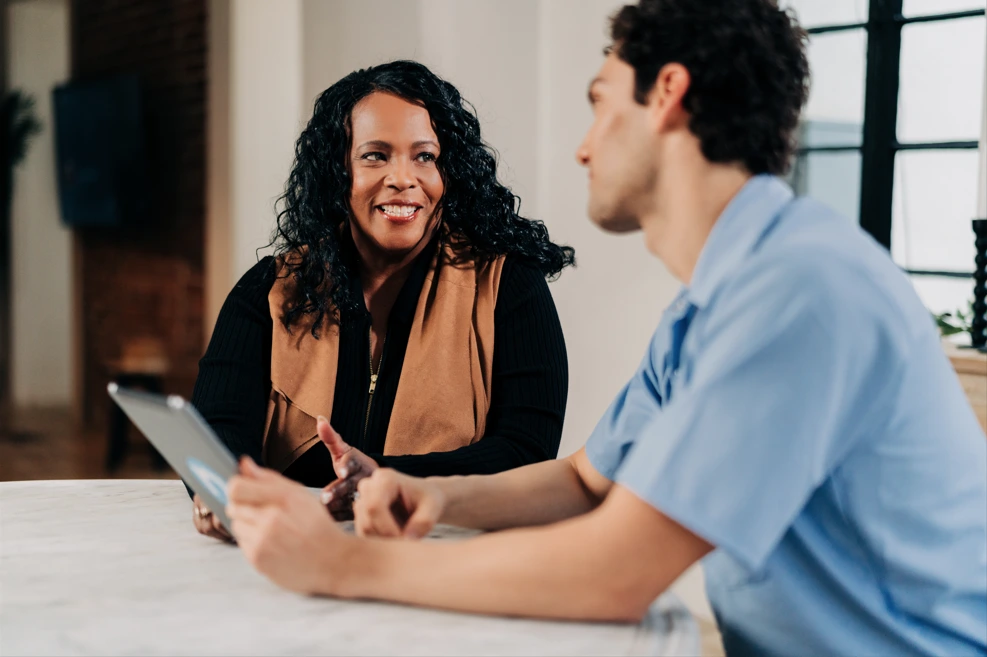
530,378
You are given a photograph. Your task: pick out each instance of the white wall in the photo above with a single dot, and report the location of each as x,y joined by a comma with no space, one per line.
255,113
265,115
218,266
611,303
38,59
341,36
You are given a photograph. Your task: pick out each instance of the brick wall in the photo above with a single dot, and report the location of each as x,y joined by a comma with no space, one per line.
146,281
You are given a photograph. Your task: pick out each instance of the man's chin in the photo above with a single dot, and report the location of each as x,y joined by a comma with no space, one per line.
613,222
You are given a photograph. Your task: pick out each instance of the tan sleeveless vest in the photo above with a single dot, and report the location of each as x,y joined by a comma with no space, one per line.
443,394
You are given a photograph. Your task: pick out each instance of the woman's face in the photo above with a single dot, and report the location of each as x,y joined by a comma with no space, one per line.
396,184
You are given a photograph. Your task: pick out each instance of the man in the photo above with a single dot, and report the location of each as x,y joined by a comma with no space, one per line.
794,417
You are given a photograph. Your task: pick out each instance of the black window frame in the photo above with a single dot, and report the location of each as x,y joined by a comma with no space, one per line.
879,144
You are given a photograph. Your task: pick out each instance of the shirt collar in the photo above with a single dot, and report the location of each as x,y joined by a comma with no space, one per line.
738,230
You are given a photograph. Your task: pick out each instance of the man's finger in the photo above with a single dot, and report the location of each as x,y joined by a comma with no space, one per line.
337,446
244,490
383,522
249,468
246,536
244,513
424,518
373,512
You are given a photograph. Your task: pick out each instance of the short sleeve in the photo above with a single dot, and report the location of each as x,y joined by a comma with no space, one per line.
782,379
634,407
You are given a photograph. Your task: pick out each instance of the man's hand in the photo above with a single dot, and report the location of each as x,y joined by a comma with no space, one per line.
284,531
207,523
391,504
351,466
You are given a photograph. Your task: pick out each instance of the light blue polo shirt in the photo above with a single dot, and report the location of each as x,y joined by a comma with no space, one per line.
795,409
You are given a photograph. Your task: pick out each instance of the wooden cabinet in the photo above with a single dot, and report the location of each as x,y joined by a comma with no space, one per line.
971,367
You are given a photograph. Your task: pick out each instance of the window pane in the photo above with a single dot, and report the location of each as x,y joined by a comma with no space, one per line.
928,7
944,295
942,78
813,13
836,98
935,196
833,178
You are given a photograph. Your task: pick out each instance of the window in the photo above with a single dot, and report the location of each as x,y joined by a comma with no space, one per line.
890,133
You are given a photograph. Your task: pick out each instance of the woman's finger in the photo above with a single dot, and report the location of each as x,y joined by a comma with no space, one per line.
201,524
220,530
337,446
342,513
209,525
341,509
337,490
340,491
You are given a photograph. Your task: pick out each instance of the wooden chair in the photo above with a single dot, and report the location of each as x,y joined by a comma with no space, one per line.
143,363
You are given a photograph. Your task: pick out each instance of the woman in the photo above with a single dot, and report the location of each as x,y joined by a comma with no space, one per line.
401,262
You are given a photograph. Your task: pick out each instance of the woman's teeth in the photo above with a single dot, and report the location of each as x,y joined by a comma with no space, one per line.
399,210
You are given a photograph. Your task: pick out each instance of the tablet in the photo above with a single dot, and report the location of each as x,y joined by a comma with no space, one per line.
185,440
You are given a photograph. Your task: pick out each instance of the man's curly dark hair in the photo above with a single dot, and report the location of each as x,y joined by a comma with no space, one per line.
748,68
478,212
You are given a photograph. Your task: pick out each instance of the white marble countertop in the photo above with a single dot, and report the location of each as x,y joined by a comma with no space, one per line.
116,568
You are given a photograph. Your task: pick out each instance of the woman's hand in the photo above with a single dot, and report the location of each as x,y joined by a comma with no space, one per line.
285,532
392,504
207,523
351,466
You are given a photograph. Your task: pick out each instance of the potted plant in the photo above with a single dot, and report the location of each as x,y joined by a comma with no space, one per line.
18,124
954,323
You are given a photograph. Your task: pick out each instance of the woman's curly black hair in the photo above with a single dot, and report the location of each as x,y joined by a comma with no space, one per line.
477,211
748,68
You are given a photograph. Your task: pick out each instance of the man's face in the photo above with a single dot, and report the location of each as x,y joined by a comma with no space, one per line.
619,150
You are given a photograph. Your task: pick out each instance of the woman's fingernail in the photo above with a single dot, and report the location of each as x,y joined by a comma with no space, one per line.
326,496
343,473
322,418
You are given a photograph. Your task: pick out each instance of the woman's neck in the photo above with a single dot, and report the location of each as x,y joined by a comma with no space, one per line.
382,275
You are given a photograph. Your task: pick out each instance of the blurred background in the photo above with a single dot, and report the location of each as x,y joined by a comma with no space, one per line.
146,140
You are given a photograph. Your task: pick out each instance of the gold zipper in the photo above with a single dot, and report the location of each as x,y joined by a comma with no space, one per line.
373,375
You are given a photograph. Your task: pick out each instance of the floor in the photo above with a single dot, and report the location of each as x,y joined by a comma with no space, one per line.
45,444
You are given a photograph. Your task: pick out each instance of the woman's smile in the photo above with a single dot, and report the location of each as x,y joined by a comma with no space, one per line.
399,212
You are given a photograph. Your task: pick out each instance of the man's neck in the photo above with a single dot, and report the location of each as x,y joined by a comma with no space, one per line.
689,198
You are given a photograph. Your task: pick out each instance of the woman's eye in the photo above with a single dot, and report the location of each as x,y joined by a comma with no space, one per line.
373,156
426,157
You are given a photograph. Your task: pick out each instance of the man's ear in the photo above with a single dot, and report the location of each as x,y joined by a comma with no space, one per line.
665,98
